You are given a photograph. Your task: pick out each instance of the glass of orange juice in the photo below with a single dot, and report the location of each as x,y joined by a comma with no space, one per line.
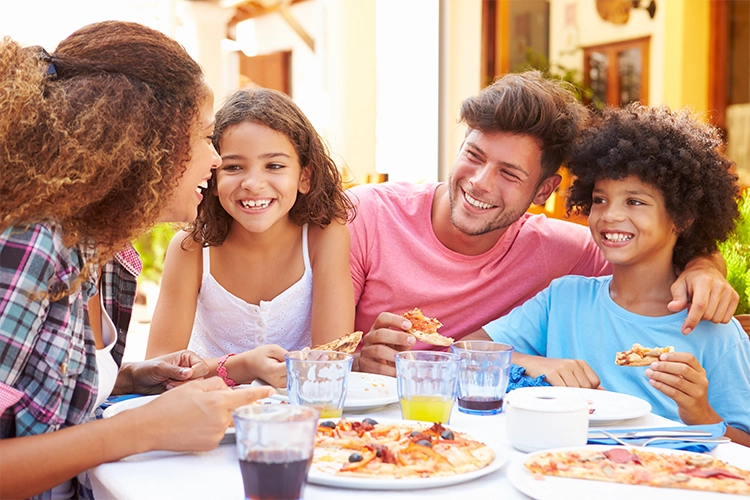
318,379
427,384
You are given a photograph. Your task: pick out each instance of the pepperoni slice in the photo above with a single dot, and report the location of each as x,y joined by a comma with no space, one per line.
621,456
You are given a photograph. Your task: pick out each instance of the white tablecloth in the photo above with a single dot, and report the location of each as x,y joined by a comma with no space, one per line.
216,474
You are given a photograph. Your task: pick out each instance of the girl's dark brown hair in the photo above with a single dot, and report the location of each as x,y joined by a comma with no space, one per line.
322,204
95,137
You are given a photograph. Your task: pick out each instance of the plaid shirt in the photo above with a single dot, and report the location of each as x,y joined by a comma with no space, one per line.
48,373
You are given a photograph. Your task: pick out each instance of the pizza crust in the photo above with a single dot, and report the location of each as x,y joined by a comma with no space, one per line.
348,343
425,328
640,356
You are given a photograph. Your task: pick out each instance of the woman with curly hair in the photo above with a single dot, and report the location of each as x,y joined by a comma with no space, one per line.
265,267
98,141
658,192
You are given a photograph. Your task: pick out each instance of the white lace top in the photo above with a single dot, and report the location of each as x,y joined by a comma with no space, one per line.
225,323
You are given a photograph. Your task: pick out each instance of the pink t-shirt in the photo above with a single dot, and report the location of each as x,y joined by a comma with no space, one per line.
397,262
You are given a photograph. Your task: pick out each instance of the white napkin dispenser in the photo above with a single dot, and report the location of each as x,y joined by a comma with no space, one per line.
539,420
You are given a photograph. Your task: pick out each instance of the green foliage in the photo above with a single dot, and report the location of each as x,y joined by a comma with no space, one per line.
152,247
736,252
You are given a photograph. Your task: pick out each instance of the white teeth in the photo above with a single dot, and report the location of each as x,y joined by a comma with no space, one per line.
476,203
203,185
256,203
617,237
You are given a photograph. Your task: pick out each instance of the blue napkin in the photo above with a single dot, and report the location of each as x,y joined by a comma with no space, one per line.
716,430
518,379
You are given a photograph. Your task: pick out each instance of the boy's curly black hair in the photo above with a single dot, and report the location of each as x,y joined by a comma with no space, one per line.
671,150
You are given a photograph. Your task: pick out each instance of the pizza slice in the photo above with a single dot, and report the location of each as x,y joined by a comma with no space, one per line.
348,343
425,329
640,356
690,471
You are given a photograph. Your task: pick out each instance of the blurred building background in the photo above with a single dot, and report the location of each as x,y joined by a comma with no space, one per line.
383,80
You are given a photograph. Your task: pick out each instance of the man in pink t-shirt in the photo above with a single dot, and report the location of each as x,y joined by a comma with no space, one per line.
466,252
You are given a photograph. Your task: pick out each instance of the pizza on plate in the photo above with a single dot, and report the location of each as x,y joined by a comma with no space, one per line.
691,471
396,450
348,343
640,356
425,329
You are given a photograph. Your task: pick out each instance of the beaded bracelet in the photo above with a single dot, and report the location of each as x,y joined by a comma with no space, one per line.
221,370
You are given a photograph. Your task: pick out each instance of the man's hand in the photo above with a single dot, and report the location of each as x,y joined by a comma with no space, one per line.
561,372
155,375
379,346
703,281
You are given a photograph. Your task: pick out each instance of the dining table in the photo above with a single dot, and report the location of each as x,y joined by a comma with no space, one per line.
216,473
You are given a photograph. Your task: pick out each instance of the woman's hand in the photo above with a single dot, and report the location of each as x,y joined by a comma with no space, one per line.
155,375
681,377
192,417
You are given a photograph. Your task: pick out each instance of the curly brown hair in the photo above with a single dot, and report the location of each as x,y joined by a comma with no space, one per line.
529,104
96,136
675,152
322,204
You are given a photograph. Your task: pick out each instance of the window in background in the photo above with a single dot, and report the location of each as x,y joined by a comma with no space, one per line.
617,73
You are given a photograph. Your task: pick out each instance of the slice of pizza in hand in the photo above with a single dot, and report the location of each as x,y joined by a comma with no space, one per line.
348,343
425,329
641,356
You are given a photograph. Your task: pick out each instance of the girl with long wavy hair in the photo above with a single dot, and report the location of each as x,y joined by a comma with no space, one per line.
265,267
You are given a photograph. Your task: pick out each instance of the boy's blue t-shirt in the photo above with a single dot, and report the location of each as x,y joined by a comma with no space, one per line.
576,318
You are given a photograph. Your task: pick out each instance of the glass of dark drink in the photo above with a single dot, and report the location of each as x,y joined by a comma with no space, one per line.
275,446
482,376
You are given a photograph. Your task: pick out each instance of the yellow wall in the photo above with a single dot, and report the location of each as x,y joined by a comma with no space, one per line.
686,48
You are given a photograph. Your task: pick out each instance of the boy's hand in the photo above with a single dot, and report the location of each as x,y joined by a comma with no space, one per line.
682,378
562,372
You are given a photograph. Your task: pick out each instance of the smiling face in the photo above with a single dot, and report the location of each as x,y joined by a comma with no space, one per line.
494,180
630,222
183,206
260,176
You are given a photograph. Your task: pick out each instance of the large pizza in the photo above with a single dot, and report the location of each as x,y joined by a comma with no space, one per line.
396,450
689,471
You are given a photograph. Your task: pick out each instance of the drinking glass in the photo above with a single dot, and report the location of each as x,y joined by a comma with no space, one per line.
427,383
318,379
482,376
275,446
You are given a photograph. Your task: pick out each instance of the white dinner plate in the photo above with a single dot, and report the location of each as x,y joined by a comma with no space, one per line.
563,488
366,391
316,476
609,407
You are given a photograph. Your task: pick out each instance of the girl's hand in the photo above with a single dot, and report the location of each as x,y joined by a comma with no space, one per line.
682,378
266,362
192,417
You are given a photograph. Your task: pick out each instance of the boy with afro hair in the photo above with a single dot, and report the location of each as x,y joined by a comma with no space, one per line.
657,192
